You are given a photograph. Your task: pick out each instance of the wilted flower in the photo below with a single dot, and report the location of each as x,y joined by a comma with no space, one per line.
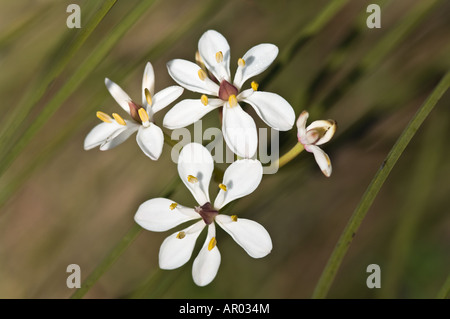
317,133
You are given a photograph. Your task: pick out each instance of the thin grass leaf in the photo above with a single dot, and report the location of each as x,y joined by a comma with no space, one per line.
73,82
57,63
154,52
346,238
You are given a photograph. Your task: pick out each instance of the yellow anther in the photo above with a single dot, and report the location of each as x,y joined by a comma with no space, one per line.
143,115
104,117
223,187
192,179
148,96
232,100
234,218
241,62
202,75
254,86
212,243
204,100
119,119
181,235
173,206
219,57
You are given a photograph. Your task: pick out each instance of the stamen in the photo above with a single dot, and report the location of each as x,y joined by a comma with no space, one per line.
192,179
148,96
204,100
202,75
232,100
104,117
212,243
181,235
223,187
119,119
143,115
255,86
219,57
241,62
173,206
234,218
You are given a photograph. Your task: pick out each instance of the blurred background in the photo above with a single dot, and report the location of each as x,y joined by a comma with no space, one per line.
61,205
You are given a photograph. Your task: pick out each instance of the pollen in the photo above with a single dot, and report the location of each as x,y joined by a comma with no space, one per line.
143,115
104,117
241,62
234,218
204,100
181,235
202,75
173,206
223,187
232,100
212,243
119,119
255,86
148,96
219,57
192,179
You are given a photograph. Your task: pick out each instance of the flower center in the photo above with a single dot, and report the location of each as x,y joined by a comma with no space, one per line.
139,114
207,212
226,89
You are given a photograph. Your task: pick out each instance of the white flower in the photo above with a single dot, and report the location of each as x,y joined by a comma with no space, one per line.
115,130
317,133
195,168
238,127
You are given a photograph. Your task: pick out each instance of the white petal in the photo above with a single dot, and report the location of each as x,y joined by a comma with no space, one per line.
250,235
101,132
195,160
257,60
329,126
274,110
240,178
176,251
206,265
301,124
322,159
148,82
209,44
185,73
156,214
187,112
239,131
150,140
118,94
164,97
120,136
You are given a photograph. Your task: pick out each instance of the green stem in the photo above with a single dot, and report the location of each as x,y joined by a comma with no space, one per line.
444,293
344,242
115,253
82,72
290,155
59,62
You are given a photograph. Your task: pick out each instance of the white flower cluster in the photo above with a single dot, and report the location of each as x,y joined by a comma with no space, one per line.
210,77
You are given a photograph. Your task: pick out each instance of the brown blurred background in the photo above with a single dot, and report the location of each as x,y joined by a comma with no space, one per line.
62,205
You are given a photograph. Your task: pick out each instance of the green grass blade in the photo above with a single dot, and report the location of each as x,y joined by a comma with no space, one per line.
154,52
118,249
300,39
444,293
369,196
59,61
73,82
